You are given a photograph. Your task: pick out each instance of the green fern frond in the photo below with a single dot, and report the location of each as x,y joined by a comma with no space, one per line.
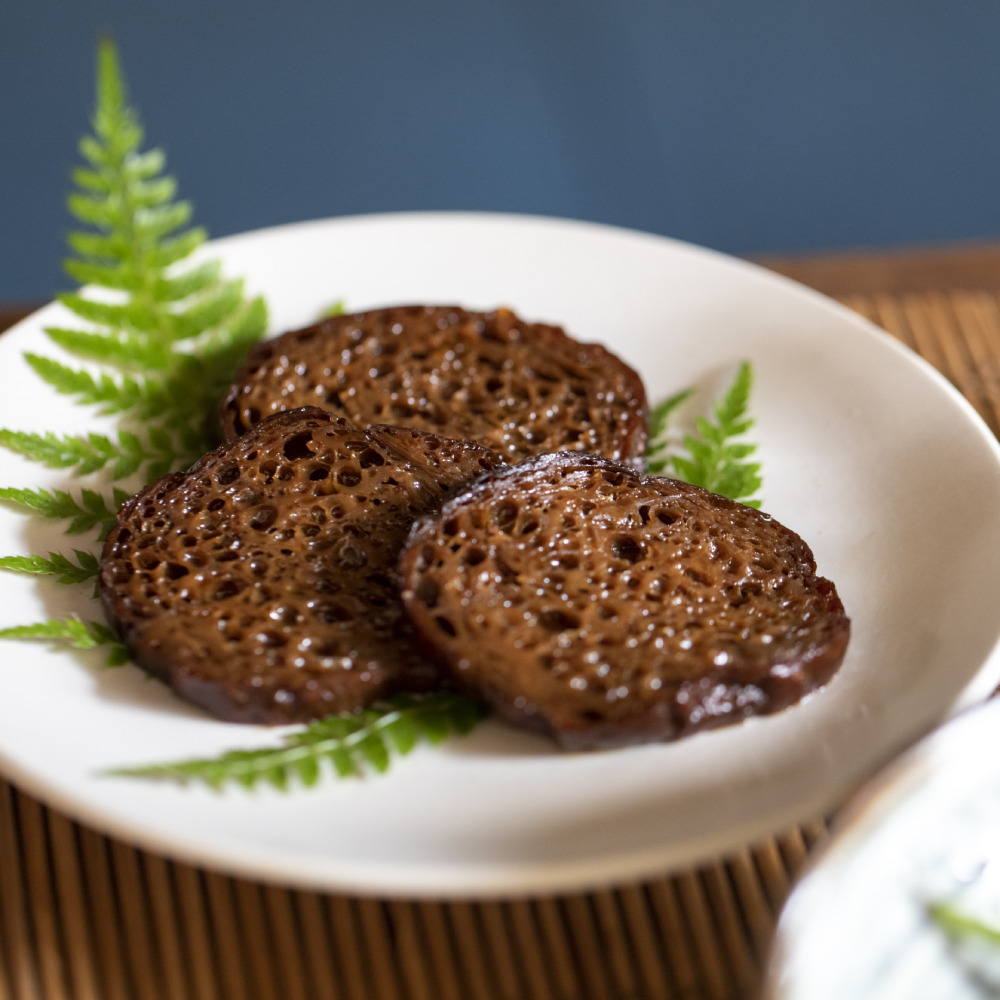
74,633
155,314
163,340
56,564
716,460
349,744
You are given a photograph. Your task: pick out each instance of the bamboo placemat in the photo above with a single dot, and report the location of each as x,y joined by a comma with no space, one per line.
84,917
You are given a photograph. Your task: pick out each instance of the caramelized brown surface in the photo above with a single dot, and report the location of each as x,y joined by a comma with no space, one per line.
583,599
262,585
520,388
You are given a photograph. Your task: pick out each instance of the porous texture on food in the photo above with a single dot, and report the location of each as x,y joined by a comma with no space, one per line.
604,607
520,388
261,584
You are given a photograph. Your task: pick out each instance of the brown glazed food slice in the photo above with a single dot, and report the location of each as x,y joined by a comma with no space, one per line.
261,584
520,388
604,607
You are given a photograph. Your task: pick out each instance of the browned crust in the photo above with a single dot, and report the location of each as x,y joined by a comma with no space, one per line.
582,599
261,584
520,388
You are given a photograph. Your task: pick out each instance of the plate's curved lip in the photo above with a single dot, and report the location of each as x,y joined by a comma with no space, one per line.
521,879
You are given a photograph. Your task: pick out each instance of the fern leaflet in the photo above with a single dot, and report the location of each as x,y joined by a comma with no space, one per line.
91,510
659,418
717,455
349,744
61,567
74,633
157,450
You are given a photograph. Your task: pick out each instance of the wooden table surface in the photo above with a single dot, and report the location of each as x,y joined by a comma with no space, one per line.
949,268
83,917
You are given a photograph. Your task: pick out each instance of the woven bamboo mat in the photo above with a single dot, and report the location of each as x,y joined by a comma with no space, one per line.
83,917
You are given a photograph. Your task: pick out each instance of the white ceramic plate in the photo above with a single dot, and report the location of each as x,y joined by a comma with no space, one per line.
866,452
925,832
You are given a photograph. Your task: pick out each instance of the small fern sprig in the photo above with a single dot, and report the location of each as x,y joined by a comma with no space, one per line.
349,744
75,634
717,454
162,341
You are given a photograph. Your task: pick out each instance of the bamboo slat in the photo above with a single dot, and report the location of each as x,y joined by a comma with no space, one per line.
83,917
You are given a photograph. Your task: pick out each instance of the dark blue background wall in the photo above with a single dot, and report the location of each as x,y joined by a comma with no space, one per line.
750,126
